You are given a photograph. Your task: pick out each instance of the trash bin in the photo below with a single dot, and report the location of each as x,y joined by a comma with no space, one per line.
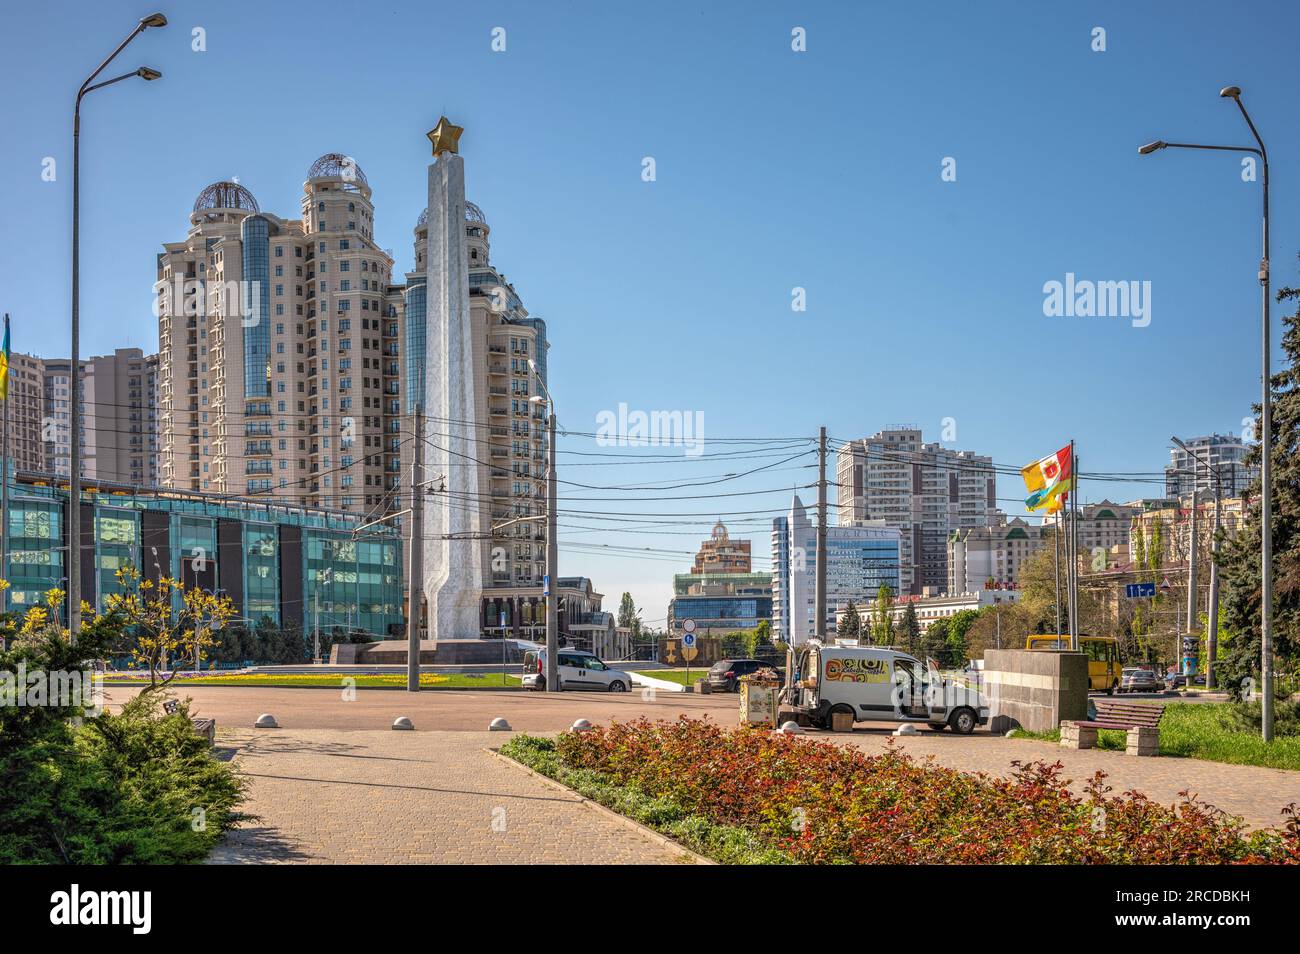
757,704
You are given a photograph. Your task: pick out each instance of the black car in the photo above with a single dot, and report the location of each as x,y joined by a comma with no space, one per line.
724,675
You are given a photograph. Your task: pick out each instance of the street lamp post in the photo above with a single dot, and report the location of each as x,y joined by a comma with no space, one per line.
1266,420
552,532
74,476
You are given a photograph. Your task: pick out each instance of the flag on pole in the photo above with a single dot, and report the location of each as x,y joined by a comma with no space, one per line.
4,364
1048,479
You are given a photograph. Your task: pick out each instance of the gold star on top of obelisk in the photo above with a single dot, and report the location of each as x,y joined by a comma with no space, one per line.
445,136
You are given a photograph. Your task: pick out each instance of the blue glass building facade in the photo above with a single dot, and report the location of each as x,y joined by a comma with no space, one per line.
274,561
255,235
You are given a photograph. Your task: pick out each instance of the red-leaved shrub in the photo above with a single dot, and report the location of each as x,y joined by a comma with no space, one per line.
824,803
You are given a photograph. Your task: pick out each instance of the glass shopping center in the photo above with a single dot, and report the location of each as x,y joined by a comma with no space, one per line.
273,560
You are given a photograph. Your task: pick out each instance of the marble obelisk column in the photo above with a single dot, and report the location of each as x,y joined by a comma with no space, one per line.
453,554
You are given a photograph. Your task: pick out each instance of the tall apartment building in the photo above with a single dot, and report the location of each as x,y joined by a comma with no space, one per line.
279,347
26,409
1224,453
925,491
57,428
119,396
860,559
980,556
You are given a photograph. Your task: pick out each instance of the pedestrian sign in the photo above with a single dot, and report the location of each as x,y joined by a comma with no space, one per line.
688,640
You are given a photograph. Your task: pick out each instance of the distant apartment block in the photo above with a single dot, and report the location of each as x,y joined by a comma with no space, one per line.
721,554
1224,453
924,491
992,557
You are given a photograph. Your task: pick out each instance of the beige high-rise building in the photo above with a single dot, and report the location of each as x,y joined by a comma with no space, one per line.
279,347
925,491
27,412
119,396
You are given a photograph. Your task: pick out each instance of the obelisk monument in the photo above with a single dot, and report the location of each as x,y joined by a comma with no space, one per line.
453,552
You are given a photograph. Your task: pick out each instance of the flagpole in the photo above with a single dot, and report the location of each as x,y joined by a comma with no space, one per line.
1056,540
4,484
1073,566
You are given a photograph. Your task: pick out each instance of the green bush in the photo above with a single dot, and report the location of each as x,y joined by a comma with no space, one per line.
136,787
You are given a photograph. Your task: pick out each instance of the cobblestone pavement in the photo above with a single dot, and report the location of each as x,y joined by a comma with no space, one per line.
329,786
1256,794
375,797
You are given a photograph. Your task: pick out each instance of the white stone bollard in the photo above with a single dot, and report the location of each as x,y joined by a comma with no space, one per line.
266,721
499,725
402,722
580,725
905,729
791,728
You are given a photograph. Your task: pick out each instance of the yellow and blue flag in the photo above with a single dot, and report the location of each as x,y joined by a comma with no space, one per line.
4,364
1048,479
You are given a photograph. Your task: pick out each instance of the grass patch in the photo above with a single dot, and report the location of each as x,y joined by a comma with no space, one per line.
396,680
725,844
675,675
1203,730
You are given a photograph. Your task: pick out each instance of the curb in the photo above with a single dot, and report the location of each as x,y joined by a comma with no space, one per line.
208,685
660,839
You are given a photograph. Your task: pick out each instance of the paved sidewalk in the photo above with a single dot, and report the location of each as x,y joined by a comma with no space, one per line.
1256,794
377,797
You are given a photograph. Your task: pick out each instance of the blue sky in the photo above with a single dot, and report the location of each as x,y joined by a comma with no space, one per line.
775,169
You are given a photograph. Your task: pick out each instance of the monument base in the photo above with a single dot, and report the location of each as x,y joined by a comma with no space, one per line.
439,652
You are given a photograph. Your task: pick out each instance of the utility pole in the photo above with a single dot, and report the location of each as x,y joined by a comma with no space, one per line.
552,558
1212,610
414,597
1212,637
819,603
1191,576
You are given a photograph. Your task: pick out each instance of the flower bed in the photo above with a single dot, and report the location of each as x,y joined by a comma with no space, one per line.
817,802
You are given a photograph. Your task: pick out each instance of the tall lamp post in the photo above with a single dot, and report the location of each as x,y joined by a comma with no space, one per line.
552,543
74,477
1266,420
1212,614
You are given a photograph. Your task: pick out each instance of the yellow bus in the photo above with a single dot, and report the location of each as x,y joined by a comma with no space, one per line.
1104,666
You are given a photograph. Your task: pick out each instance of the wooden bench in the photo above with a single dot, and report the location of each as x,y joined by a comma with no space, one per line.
204,727
1140,721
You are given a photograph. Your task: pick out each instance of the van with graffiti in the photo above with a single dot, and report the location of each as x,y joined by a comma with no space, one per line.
875,684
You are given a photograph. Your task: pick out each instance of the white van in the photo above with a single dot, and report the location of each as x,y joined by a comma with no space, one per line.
875,684
576,669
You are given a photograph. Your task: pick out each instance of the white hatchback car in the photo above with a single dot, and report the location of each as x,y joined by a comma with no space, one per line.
577,669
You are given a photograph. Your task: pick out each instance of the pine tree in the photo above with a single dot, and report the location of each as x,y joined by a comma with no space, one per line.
911,629
1240,555
850,625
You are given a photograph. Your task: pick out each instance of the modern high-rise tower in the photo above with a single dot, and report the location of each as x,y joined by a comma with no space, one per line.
279,348
925,491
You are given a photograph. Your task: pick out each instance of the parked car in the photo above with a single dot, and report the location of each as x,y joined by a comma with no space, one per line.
576,669
1138,680
724,675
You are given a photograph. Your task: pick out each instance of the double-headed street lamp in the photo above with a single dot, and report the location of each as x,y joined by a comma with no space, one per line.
1266,420
552,543
74,477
